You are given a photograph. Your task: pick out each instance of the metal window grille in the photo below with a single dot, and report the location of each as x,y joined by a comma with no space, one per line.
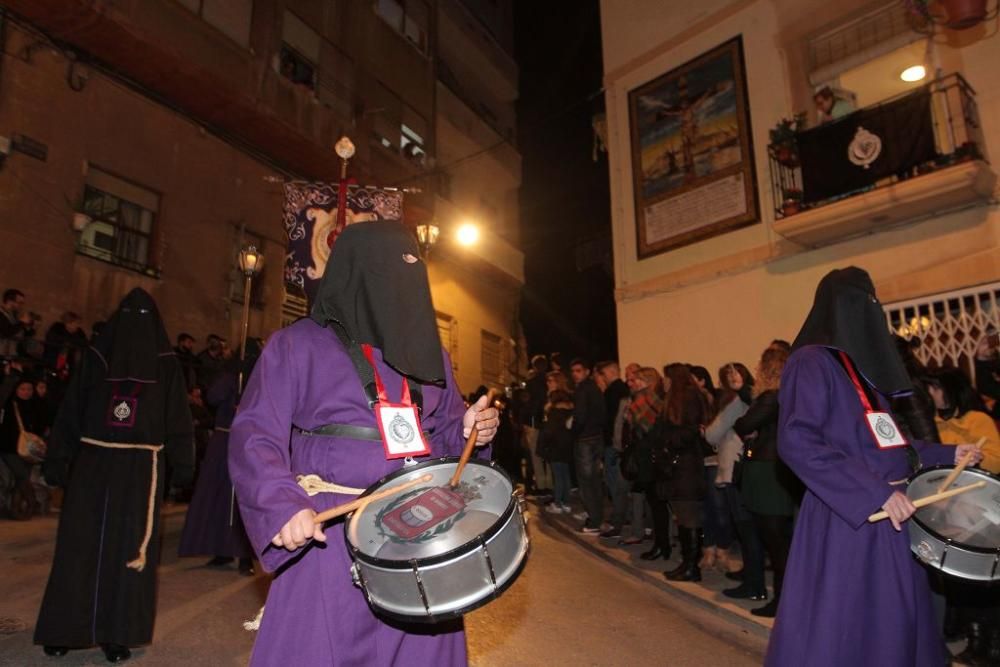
949,325
857,35
121,231
492,358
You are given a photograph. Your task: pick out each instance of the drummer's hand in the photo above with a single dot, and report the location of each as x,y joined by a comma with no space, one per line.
962,450
299,530
486,419
899,508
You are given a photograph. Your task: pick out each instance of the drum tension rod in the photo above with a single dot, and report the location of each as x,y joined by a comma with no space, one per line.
420,585
489,561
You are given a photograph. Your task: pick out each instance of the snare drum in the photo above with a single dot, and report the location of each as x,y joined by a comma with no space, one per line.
432,552
961,535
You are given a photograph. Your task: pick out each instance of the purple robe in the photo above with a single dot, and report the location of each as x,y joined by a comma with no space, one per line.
314,615
853,594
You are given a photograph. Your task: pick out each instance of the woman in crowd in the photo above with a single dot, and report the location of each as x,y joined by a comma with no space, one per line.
769,487
679,459
643,413
556,446
737,394
718,533
961,418
20,414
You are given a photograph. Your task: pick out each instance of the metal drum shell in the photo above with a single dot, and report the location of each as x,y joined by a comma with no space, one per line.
936,551
451,583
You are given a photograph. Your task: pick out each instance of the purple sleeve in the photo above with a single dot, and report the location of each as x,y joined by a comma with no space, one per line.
259,458
842,481
934,454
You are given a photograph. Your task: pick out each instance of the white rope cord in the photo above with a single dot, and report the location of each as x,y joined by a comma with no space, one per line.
140,560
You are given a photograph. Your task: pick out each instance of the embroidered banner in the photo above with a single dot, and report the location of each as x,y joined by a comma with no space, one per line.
310,219
870,144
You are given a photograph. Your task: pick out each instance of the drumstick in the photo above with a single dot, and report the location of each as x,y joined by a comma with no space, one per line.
953,475
933,498
348,507
470,444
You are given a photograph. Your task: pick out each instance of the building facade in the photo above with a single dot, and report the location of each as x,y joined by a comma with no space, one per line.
149,143
927,234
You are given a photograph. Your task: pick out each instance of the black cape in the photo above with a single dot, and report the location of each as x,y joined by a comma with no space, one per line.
846,315
92,596
375,286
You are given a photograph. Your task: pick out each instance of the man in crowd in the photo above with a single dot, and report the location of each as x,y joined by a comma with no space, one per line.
211,360
16,323
588,450
531,421
189,361
616,395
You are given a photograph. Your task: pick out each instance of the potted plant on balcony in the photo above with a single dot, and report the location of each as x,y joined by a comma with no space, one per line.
954,14
792,202
783,145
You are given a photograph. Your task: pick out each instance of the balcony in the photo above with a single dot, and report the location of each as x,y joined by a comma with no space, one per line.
909,157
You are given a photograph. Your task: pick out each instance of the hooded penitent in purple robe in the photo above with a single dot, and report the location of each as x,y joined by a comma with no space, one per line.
853,593
314,615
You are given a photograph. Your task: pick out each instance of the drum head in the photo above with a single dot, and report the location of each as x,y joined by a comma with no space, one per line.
970,519
430,519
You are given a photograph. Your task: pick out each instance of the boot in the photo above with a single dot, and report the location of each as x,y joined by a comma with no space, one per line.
688,570
953,627
709,556
976,650
656,551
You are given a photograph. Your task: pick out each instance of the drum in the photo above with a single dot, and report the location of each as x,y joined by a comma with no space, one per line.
433,553
961,535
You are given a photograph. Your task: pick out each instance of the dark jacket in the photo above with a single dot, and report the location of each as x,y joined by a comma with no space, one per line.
987,383
762,419
615,393
63,350
588,410
534,414
679,459
555,441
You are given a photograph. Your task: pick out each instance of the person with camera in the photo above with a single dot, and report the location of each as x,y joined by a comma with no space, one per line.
16,323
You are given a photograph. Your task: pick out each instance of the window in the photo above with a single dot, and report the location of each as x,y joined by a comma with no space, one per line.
386,111
230,17
300,51
122,218
409,18
448,332
491,358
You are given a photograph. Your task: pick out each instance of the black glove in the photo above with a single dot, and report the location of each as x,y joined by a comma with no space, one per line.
56,471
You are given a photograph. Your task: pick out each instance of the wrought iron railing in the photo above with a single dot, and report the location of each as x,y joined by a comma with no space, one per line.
950,104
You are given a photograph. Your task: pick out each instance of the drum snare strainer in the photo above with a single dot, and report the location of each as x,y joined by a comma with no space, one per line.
435,552
961,535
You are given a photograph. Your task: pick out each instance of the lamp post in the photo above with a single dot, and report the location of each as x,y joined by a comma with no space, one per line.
427,237
250,263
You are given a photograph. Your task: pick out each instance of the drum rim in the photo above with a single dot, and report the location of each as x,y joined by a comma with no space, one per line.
465,547
430,619
948,541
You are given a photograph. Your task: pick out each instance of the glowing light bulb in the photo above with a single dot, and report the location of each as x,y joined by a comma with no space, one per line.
914,73
468,234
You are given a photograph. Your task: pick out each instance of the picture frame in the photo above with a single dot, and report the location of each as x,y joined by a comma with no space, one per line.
693,174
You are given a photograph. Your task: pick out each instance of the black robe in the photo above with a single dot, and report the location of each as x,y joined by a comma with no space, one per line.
93,596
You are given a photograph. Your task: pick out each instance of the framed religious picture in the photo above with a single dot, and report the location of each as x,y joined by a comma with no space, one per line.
692,153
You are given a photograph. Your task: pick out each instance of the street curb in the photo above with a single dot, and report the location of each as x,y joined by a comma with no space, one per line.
747,625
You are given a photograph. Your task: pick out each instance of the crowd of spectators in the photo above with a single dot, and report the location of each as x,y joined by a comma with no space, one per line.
36,369
690,461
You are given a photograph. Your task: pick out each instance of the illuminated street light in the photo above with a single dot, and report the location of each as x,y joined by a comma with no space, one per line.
468,234
913,74
250,264
427,236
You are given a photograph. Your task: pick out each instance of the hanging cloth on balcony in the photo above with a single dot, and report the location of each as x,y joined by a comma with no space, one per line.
873,143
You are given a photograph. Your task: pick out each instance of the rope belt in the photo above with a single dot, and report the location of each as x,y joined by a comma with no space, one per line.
140,560
220,428
899,482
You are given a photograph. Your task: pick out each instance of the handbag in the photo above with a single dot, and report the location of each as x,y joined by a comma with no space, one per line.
30,447
628,464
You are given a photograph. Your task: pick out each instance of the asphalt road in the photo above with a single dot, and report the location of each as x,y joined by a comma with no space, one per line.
568,608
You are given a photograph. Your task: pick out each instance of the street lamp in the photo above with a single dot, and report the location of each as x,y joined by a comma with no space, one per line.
250,264
468,234
427,237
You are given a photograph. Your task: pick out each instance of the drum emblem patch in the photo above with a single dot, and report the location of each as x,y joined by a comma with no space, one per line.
401,430
425,513
885,428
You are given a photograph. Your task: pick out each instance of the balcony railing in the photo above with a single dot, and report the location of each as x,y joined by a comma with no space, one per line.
923,131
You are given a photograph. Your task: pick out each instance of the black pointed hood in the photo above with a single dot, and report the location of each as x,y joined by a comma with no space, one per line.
847,315
376,287
133,339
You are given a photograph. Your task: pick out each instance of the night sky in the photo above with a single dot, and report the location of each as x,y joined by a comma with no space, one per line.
564,199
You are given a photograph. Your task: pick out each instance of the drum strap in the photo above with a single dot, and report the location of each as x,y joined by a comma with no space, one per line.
367,374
